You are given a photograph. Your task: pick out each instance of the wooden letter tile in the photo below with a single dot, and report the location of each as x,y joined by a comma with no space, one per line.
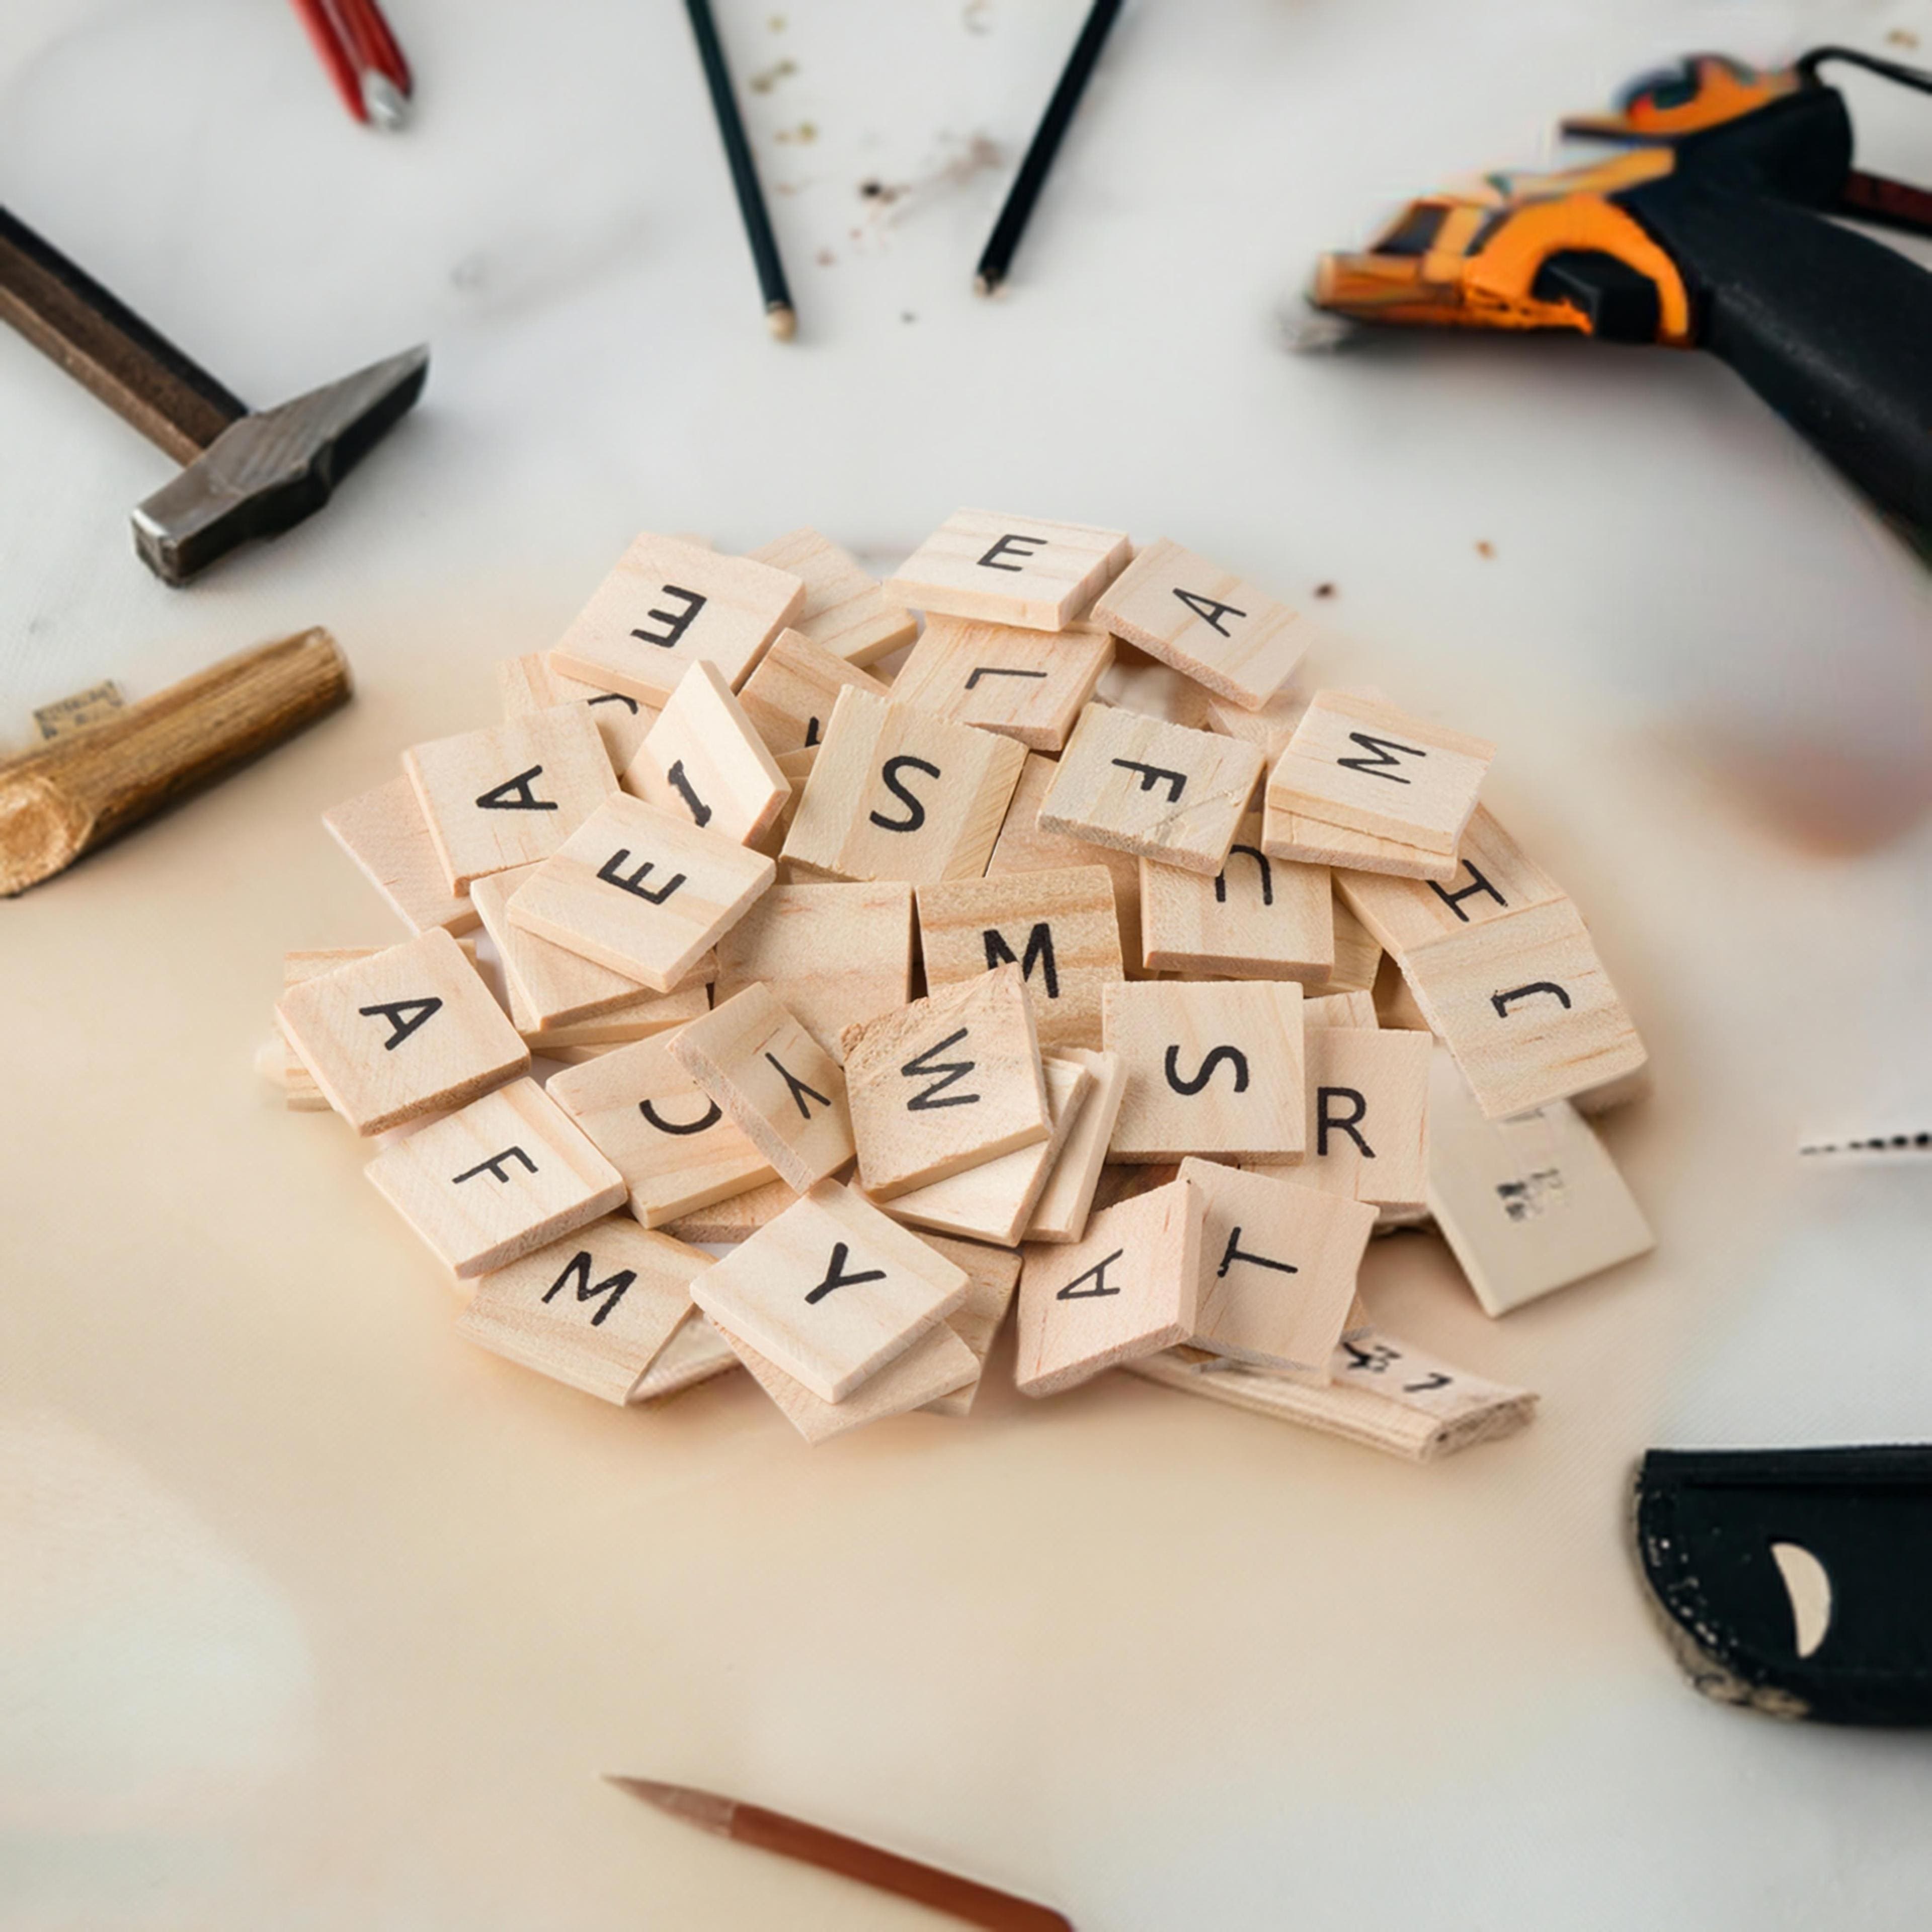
702,761
594,1310
385,833
1009,570
1492,878
899,794
409,1030
1270,727
845,611
1368,1115
1026,685
640,892
512,794
1061,928
1257,918
668,603
1357,958
831,1292
668,1138
1222,631
1158,790
1385,1395
1359,763
1338,1009
648,1013
501,1177
832,955
993,1201
1525,1005
696,1353
938,1364
992,1275
737,1217
789,698
1310,842
1022,847
1527,1205
1128,1289
549,987
528,684
1278,1266
945,1083
1212,1068
775,1082
1060,1213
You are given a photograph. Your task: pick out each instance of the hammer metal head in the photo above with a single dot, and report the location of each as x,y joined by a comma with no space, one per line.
266,472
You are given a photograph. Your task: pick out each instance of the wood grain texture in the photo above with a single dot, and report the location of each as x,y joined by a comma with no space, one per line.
77,793
1357,958
831,1292
1060,1213
672,1143
1128,1288
696,1353
1524,1004
1257,918
992,1276
409,1030
668,602
594,1310
945,1083
1270,727
1023,847
1212,1068
1339,1010
528,683
549,987
993,1200
774,1081
935,1365
1527,1205
1288,834
510,794
1061,927
1368,1116
1029,685
1382,1394
1361,763
789,698
1159,790
846,610
1218,628
703,760
640,892
497,1179
899,793
1493,876
832,955
384,832
987,565
1278,1267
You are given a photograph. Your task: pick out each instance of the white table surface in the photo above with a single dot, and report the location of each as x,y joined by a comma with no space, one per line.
312,1615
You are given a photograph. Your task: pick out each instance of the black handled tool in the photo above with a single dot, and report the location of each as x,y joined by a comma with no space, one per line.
1715,230
247,473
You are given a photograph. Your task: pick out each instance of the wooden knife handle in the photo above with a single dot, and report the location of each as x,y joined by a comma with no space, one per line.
140,375
58,803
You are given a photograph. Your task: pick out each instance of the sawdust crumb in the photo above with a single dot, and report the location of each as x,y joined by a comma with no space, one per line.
826,258
802,136
884,193
1484,548
1325,590
776,23
768,78
1901,36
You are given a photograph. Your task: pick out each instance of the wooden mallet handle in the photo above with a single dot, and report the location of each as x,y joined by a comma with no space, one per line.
57,803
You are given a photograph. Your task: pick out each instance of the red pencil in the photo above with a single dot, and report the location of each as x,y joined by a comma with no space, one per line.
354,45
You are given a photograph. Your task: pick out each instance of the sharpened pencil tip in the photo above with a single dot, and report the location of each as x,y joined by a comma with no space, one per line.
781,321
704,1809
986,285
387,105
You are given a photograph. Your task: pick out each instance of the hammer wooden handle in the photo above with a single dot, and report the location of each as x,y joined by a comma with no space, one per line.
77,794
140,375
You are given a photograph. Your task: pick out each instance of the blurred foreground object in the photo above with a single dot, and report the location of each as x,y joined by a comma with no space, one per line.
79,792
248,474
1714,231
1796,1581
362,58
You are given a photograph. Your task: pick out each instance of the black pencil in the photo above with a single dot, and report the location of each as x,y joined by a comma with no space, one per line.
779,316
1032,177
